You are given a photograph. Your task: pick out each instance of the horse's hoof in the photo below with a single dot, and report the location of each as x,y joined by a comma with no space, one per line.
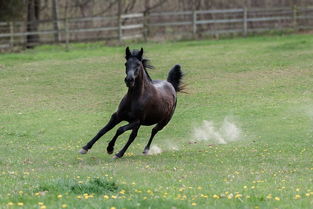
83,151
146,152
110,150
115,157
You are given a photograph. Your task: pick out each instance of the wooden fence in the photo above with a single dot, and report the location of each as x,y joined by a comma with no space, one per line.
160,25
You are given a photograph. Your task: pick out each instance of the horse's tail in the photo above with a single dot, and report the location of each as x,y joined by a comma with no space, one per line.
175,78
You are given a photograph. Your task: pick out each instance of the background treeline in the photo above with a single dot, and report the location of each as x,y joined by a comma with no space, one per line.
31,22
50,9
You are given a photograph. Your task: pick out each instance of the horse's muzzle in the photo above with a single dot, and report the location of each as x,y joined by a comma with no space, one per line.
130,82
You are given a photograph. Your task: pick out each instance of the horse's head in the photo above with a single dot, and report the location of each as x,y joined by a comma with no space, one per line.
133,66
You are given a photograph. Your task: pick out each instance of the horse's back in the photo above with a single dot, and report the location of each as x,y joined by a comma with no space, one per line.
162,104
164,87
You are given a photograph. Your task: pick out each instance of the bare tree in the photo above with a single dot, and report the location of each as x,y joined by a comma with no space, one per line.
55,15
33,13
11,9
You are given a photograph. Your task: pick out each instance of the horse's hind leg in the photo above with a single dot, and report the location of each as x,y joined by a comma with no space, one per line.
154,131
113,122
120,131
130,140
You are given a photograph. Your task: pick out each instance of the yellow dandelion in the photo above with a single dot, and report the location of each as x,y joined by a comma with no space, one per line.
79,197
113,208
216,196
144,198
43,207
297,196
20,204
10,204
238,196
230,196
122,191
64,206
59,196
297,189
277,198
193,204
307,194
40,203
113,197
106,197
269,196
205,196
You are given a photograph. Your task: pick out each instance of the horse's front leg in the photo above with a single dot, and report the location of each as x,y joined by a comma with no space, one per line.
120,131
130,140
113,122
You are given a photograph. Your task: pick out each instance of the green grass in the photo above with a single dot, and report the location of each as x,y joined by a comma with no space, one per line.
52,102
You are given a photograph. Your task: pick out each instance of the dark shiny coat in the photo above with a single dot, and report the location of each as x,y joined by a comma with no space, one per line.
147,102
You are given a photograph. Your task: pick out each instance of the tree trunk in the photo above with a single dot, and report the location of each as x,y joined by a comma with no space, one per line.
33,11
55,15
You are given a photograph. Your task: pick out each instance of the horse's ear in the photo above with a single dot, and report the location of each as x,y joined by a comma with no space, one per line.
128,53
140,54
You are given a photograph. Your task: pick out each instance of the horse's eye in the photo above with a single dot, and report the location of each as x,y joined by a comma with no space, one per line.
125,64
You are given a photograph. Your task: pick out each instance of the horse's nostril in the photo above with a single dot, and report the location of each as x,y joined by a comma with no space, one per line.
129,79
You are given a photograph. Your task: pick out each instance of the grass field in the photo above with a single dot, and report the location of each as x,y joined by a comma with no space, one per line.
52,102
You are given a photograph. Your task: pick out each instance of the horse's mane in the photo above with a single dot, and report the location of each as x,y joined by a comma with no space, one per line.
145,62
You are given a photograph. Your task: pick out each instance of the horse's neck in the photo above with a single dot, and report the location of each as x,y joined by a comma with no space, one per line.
142,84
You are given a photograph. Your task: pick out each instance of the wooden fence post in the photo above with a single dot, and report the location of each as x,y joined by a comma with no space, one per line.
146,29
146,20
294,16
119,20
11,34
245,21
67,35
194,23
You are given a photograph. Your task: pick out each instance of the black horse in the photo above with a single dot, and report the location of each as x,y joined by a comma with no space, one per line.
147,102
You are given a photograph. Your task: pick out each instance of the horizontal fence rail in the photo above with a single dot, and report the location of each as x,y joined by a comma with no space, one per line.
151,25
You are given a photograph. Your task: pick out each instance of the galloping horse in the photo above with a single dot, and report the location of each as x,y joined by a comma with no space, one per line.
147,102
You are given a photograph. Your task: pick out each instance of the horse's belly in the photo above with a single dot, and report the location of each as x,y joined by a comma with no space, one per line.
150,121
158,115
